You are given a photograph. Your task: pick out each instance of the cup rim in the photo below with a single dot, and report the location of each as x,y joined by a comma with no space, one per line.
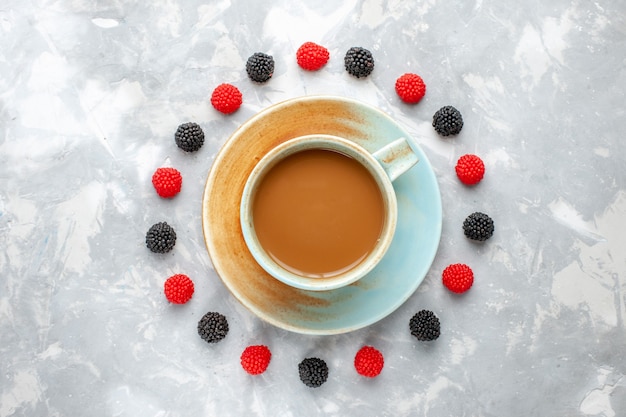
298,144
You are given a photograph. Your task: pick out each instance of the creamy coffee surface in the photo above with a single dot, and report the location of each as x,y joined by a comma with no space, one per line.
318,213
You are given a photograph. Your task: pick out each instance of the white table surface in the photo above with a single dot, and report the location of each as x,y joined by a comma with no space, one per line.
91,93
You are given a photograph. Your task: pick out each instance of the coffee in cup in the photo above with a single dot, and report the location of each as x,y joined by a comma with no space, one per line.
318,212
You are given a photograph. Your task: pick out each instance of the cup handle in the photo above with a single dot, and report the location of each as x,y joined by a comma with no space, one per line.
396,157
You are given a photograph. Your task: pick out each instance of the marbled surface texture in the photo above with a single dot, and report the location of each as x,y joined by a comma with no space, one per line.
91,93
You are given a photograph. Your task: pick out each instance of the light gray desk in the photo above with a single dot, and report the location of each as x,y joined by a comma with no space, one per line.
91,93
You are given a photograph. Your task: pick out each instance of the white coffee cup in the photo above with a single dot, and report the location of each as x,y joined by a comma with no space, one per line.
384,166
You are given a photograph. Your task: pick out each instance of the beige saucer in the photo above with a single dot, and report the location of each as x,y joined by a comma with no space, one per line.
314,312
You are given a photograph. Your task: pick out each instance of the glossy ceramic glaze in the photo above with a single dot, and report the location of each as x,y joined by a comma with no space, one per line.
345,309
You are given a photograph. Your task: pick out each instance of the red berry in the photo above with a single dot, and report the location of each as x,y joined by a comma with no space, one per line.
470,169
410,88
458,278
311,56
167,182
178,289
226,98
255,359
369,361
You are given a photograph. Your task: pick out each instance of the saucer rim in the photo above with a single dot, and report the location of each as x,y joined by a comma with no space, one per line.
227,147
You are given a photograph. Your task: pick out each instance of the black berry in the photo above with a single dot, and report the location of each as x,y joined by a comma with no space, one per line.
189,137
425,325
478,226
213,327
161,238
260,67
359,62
448,121
313,372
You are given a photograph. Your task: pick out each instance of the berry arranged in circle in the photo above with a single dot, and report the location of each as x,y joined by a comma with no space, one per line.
448,121
167,182
478,226
311,56
359,62
161,238
255,359
213,327
313,372
260,67
425,326
178,289
458,278
470,169
369,362
226,98
189,137
410,88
